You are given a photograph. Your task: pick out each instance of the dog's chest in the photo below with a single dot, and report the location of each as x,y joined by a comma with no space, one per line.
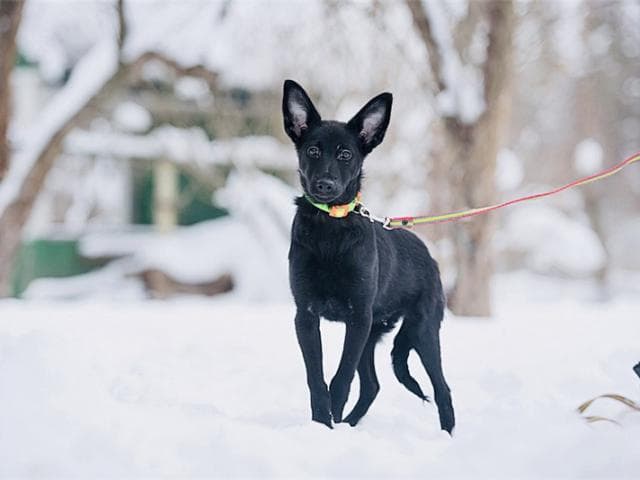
334,292
331,308
333,266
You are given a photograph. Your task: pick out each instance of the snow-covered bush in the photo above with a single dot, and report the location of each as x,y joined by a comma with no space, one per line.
546,240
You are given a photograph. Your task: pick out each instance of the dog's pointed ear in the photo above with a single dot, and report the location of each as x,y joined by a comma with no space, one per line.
299,113
371,122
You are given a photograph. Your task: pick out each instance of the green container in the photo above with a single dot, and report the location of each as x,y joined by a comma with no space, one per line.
195,203
49,258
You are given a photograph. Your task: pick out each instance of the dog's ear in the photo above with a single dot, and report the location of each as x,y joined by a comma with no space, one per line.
371,122
299,113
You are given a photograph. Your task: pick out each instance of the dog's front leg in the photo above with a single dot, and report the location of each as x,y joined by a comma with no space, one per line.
308,332
357,333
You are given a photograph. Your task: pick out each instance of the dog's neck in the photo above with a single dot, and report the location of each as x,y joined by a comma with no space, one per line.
349,194
328,237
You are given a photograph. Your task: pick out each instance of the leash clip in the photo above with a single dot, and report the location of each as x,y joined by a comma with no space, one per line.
385,221
364,212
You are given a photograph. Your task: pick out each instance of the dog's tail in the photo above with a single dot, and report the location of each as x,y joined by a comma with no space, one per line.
399,357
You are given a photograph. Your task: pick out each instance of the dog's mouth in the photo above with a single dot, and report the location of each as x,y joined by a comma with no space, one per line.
316,190
320,198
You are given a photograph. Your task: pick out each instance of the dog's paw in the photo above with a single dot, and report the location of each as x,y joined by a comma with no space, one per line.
325,419
338,417
351,419
447,420
338,400
336,411
321,408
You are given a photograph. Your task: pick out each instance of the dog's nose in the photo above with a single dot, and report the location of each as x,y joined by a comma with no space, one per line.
325,186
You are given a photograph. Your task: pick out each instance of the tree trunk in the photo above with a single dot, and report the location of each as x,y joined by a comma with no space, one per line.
471,150
477,150
16,214
10,14
589,124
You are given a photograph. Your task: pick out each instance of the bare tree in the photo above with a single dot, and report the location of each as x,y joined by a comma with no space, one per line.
471,142
80,106
122,26
595,118
10,14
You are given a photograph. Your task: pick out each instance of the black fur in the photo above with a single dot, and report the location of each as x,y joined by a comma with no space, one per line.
353,271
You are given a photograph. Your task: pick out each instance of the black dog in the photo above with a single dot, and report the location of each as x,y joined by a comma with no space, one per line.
343,267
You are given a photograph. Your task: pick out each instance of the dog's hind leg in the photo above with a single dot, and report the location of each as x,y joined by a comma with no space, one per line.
400,357
426,339
369,385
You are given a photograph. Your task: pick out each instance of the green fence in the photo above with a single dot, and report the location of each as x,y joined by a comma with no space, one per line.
60,258
49,258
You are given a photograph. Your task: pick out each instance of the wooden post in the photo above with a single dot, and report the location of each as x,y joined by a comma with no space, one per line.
165,214
165,195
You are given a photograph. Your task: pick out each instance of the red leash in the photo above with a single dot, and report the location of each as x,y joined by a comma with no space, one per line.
408,222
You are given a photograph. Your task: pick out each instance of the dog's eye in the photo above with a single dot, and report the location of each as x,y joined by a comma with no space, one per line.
313,152
345,155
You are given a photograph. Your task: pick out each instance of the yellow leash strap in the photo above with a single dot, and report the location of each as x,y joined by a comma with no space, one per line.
408,222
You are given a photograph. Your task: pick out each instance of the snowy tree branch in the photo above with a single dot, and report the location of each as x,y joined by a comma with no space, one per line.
458,93
122,27
10,15
185,146
93,79
497,67
423,25
193,70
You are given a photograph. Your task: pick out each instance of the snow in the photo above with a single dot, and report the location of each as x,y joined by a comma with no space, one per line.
462,96
132,117
588,156
247,190
193,88
44,35
600,40
550,241
631,87
27,98
184,145
89,75
568,35
195,254
251,248
509,170
623,244
216,34
196,388
259,151
112,384
113,282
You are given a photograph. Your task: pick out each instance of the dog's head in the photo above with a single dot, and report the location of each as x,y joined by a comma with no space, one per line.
330,153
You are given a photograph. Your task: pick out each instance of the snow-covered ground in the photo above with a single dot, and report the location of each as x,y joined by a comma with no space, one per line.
216,388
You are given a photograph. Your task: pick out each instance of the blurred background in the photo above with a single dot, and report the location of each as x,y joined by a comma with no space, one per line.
143,154
146,199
